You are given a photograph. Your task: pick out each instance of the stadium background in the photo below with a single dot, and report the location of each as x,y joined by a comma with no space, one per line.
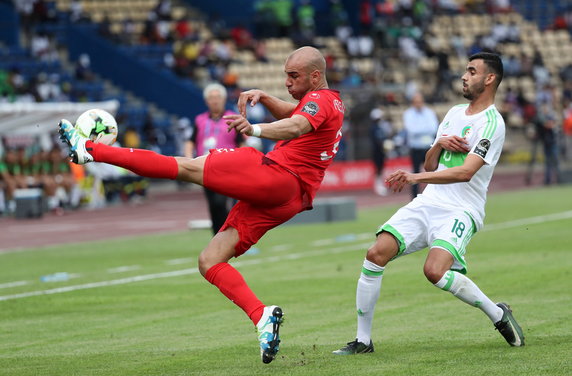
147,61
115,292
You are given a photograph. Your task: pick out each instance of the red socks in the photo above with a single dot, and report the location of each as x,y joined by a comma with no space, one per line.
142,162
230,282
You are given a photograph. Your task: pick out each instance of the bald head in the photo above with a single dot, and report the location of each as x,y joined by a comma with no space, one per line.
310,58
305,71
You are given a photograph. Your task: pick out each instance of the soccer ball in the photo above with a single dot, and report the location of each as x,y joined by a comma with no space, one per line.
97,125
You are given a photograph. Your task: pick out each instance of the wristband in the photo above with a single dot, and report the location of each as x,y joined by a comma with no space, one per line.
256,130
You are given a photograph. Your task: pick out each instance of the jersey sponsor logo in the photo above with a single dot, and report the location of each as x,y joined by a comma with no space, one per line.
338,105
446,125
311,108
482,147
314,95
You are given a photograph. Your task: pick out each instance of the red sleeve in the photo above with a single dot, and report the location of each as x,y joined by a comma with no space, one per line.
314,107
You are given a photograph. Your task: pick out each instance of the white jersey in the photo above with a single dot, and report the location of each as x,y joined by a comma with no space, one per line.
485,134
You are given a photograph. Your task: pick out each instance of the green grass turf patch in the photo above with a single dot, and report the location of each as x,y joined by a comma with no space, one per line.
173,322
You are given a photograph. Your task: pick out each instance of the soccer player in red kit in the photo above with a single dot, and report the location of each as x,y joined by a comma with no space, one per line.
271,188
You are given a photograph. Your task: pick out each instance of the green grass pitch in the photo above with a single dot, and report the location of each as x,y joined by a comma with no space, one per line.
157,316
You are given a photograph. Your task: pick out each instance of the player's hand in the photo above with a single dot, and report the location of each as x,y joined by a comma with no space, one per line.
454,143
239,124
252,96
399,179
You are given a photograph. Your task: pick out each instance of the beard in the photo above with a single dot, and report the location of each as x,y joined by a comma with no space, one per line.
475,91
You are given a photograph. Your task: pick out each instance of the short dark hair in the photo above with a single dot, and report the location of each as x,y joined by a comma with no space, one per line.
493,63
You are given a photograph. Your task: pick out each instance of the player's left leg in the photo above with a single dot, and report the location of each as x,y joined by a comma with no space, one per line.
438,271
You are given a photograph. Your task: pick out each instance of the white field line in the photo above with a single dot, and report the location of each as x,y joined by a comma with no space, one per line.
176,273
529,221
13,284
123,269
292,256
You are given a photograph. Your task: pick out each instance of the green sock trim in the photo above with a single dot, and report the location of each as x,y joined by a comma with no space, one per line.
449,277
371,273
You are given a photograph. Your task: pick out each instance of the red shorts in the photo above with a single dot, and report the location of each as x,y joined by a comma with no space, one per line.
268,194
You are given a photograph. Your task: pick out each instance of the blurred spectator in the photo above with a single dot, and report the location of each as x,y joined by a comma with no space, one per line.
7,92
380,130
76,11
546,134
83,70
420,124
131,138
337,15
264,19
366,12
360,46
260,51
512,67
210,132
43,48
242,37
104,27
305,19
567,129
183,28
458,44
163,10
283,14
48,88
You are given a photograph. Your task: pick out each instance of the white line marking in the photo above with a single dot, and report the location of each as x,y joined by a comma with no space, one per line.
329,251
180,261
122,269
13,284
281,247
529,221
175,273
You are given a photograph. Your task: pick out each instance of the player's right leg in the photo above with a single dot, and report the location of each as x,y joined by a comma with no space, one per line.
142,162
214,266
369,285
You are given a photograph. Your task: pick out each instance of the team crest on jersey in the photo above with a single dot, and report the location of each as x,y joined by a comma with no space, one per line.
314,95
311,108
482,147
466,132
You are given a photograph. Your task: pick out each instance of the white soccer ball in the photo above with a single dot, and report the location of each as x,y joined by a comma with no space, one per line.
97,125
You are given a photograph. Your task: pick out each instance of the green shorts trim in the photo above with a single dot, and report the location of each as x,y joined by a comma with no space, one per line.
453,251
400,240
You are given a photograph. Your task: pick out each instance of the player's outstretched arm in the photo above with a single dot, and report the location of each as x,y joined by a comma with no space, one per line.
284,129
278,108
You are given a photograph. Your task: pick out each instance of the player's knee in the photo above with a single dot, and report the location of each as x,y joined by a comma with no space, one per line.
190,169
383,250
204,263
433,272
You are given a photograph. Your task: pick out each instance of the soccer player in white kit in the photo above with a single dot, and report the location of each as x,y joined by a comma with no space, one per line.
459,167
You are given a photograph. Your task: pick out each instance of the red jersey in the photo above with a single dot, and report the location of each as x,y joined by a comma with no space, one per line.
309,155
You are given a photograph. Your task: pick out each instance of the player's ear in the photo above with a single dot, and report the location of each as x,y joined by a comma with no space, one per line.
315,76
491,77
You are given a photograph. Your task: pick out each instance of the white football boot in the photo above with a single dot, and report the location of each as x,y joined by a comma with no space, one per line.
268,328
75,141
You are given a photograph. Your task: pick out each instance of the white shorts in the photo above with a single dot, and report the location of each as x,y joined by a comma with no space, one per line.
417,226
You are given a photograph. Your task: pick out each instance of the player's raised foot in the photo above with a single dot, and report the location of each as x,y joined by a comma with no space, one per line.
508,327
268,336
355,347
75,142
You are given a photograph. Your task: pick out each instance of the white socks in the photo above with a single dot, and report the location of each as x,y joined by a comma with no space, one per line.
368,287
466,290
